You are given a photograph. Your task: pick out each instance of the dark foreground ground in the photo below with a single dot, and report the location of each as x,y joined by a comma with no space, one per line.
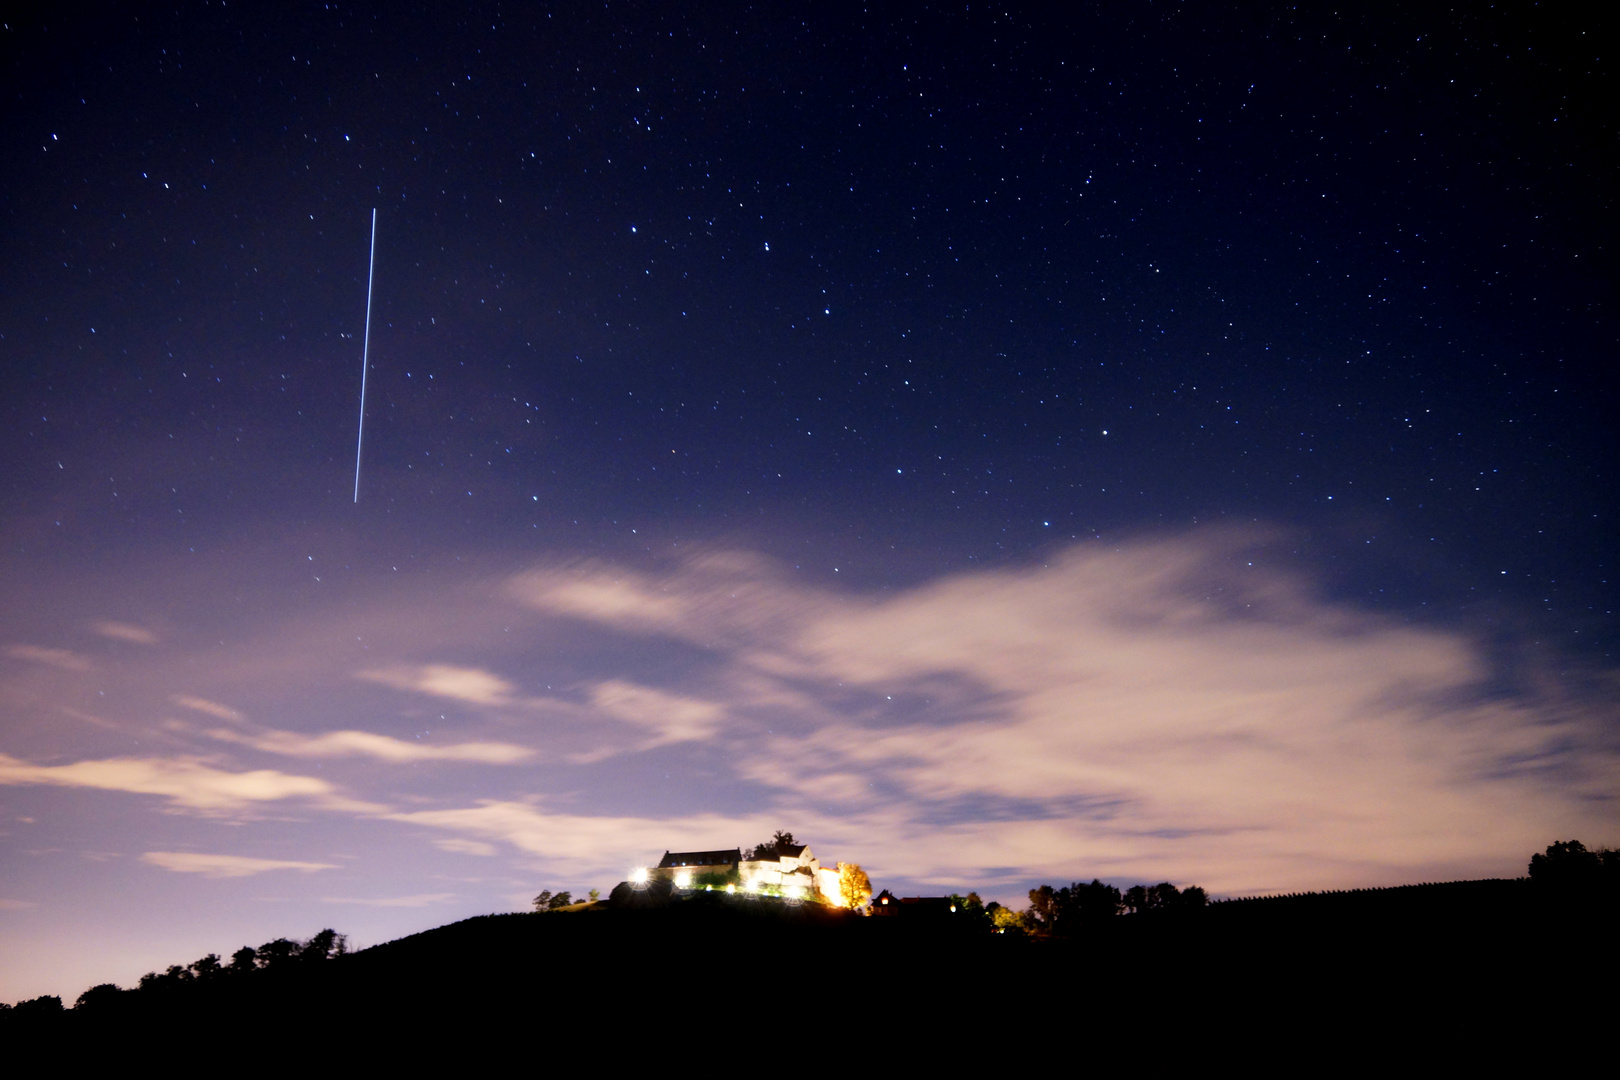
1491,972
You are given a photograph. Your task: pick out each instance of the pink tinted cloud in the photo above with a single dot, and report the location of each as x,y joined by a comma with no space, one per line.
226,866
587,843
122,631
65,659
210,708
472,685
1160,708
185,782
414,901
332,744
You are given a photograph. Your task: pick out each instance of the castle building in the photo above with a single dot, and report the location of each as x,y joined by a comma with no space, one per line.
794,871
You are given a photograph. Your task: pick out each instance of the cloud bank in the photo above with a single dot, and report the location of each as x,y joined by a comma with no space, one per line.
1169,709
1167,703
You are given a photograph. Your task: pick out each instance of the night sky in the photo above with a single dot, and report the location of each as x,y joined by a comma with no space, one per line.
1163,442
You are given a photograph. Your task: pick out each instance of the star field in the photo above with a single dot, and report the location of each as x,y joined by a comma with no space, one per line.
1307,312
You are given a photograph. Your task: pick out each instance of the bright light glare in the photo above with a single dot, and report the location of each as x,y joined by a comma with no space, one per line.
683,879
638,876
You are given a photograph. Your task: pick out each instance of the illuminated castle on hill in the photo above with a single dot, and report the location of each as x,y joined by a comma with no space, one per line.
793,871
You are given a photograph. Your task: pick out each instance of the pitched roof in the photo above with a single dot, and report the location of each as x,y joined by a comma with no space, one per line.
726,857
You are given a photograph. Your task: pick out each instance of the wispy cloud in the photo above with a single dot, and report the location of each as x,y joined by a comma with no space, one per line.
185,782
8,904
57,658
727,598
472,685
203,705
670,718
416,901
333,744
608,847
121,631
587,842
226,866
598,593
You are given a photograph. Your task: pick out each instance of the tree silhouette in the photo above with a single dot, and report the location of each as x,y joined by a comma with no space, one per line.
324,945
275,954
1043,908
172,979
1567,869
1074,906
970,912
44,1005
98,998
775,847
1136,899
1564,864
1163,897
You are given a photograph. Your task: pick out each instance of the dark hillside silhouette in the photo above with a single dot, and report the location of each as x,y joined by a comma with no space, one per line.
653,965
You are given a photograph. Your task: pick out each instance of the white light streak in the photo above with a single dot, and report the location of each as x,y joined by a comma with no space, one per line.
365,355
